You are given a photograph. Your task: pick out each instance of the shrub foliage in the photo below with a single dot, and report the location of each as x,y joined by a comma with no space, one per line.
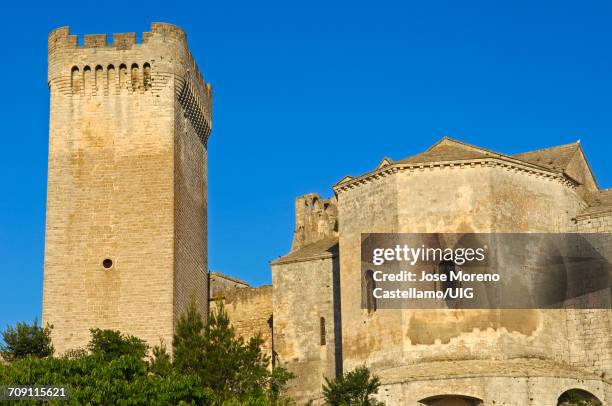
25,340
354,388
211,366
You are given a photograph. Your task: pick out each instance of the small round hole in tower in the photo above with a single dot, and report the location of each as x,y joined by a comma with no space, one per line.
107,263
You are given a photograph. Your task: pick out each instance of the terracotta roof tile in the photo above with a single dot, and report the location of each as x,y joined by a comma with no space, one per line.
449,150
327,247
556,158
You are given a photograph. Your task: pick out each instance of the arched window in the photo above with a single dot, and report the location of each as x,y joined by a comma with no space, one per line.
146,70
111,78
75,80
370,285
578,397
87,79
322,330
99,78
315,204
455,400
123,76
135,76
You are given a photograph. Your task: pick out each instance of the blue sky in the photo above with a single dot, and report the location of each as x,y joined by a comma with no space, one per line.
307,92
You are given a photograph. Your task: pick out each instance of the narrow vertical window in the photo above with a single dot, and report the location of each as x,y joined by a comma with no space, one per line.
446,268
370,286
135,77
123,77
111,79
146,70
448,285
87,79
322,330
75,80
99,79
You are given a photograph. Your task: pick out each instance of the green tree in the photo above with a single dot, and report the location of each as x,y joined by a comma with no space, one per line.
92,380
354,388
26,340
232,368
189,341
161,363
111,344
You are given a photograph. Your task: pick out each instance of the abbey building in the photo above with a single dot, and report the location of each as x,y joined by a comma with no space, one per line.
126,240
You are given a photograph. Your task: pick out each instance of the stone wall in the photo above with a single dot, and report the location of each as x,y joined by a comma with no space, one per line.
307,322
590,330
125,240
518,382
190,209
220,283
250,313
599,223
483,197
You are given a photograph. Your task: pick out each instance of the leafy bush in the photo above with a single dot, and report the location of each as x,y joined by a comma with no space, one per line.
355,388
24,340
111,344
123,380
211,366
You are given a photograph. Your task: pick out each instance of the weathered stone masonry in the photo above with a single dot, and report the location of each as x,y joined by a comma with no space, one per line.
126,233
442,357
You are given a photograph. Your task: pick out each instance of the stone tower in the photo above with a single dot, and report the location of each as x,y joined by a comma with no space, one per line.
126,232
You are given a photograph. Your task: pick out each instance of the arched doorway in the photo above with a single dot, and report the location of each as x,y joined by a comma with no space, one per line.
578,397
451,400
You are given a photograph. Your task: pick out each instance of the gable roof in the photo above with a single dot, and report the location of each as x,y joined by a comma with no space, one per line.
386,161
448,149
325,248
566,161
555,158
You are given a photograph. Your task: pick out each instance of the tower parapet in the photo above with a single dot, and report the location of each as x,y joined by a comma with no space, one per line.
100,68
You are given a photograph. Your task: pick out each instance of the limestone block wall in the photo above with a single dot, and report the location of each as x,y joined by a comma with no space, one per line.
597,223
219,284
190,210
250,312
372,207
589,337
483,197
491,390
590,330
306,323
126,205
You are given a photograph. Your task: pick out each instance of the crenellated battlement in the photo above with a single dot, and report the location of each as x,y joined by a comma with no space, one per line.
160,64
163,48
62,38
